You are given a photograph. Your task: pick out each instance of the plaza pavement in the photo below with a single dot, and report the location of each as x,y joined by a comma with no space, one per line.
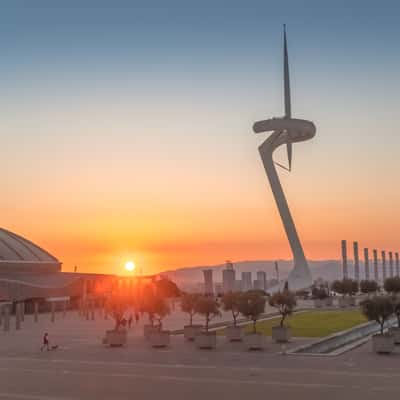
82,368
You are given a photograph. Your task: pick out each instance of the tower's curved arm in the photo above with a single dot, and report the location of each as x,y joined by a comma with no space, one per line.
286,130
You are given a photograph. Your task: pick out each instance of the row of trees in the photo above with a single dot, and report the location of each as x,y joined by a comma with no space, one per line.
250,305
351,287
153,302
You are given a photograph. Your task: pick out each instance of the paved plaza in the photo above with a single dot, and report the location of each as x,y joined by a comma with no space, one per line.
82,368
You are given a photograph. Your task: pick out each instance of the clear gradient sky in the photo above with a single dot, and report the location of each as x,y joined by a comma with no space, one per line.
126,128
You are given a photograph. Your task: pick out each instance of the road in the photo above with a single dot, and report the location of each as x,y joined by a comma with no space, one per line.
82,368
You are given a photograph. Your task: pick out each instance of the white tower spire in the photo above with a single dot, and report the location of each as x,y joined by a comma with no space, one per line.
286,87
286,131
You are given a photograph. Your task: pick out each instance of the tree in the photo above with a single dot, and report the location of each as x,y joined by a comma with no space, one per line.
188,305
231,302
208,307
285,302
396,308
149,304
166,288
251,306
158,307
368,287
392,285
345,286
352,286
337,286
116,305
378,309
319,293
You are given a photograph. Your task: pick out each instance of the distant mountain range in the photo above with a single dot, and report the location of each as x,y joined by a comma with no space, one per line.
328,270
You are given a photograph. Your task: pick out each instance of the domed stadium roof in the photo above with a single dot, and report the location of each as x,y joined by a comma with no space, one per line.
22,255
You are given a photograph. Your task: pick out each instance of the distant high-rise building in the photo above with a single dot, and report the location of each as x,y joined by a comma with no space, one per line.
208,282
258,285
262,278
229,264
228,280
246,281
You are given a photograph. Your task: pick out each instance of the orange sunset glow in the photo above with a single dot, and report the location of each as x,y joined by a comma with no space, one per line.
162,166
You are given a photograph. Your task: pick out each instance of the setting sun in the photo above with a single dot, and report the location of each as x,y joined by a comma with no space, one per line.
130,266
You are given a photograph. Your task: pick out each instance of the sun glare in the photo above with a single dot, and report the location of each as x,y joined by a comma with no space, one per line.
130,266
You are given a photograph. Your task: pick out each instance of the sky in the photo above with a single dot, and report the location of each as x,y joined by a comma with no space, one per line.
126,128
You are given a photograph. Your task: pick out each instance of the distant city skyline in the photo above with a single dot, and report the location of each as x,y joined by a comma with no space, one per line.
126,131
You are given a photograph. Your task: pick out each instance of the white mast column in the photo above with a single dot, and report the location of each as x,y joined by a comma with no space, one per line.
366,264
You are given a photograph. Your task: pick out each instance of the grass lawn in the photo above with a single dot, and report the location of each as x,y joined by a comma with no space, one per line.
315,323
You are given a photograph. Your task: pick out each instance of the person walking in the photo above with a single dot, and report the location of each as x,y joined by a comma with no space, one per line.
45,344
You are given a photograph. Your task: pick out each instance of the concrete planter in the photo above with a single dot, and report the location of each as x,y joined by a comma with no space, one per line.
148,330
234,333
383,344
116,338
395,332
318,303
281,334
206,340
254,341
190,331
160,339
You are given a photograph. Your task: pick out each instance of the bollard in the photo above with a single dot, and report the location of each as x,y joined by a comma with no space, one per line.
22,311
6,318
53,314
36,312
17,316
92,310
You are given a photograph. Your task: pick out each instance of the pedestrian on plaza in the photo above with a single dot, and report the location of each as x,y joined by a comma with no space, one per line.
45,344
137,317
130,321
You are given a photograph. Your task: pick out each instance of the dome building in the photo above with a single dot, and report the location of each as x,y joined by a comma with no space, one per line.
18,254
27,271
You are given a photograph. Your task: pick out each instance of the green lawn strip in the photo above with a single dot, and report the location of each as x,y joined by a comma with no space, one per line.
314,323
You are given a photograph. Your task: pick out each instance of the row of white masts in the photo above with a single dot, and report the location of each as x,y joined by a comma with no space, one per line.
383,268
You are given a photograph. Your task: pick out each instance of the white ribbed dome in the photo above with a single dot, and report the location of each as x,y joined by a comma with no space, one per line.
16,251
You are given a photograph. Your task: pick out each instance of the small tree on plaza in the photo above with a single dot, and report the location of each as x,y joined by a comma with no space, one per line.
285,302
209,308
158,307
379,309
319,293
231,302
252,306
188,305
345,287
353,287
148,303
116,305
166,288
368,287
338,287
392,285
396,309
